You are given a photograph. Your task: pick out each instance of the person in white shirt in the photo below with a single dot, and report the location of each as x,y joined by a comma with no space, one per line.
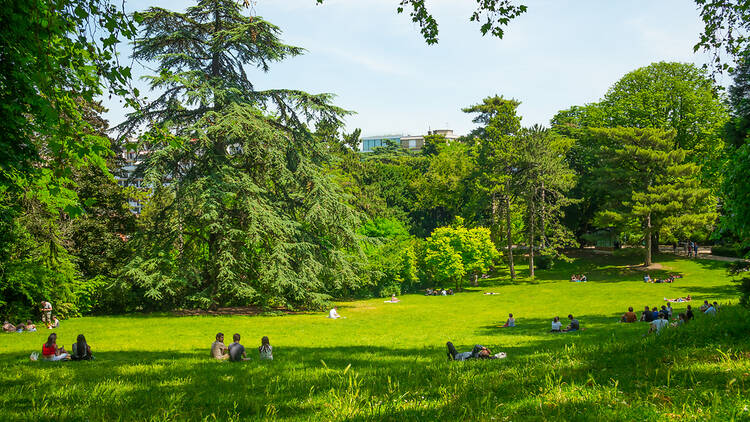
556,325
333,314
657,324
711,310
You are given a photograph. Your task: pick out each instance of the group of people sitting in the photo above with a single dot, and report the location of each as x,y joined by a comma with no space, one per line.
28,326
235,352
438,292
575,278
51,352
574,324
659,318
670,279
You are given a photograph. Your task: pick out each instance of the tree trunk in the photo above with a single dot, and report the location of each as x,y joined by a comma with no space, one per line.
531,238
509,231
648,239
495,211
476,277
542,226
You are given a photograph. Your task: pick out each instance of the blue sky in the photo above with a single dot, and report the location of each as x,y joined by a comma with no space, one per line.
560,53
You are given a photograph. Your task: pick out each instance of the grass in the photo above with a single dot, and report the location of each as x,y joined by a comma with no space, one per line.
387,361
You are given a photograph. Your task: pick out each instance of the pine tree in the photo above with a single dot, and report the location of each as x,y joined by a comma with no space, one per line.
242,211
496,151
651,185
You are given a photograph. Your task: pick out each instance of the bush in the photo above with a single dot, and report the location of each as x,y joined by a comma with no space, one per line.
730,251
544,262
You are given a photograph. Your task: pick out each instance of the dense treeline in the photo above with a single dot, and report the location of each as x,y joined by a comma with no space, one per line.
260,197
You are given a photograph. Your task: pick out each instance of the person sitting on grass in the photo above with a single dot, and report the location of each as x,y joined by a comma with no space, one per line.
647,315
51,352
55,322
629,316
711,310
428,292
583,278
478,352
657,324
8,327
511,322
654,313
81,350
333,314
265,350
450,292
236,350
30,327
556,325
647,279
573,326
573,279
669,310
681,319
689,313
218,349
704,306
394,299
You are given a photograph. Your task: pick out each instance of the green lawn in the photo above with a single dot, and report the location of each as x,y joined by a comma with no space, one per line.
387,361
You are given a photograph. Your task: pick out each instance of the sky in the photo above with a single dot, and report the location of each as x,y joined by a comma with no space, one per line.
559,54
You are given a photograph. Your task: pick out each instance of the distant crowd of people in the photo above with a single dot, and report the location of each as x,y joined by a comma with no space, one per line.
51,321
670,279
575,278
235,352
438,292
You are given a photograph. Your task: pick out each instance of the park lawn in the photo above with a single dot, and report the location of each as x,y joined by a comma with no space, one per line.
388,361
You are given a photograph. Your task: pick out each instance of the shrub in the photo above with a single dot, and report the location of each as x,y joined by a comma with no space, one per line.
730,251
544,262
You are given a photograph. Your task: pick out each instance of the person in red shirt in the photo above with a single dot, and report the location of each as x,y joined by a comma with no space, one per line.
50,351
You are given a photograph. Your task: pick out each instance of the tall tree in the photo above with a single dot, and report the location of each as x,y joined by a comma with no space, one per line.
242,210
496,157
544,179
652,186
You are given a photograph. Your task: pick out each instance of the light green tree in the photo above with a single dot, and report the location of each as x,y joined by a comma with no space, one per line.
454,252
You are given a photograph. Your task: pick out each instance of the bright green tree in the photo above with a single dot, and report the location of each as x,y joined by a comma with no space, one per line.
242,210
653,186
453,252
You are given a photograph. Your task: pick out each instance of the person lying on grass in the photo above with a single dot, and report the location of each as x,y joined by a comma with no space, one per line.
20,327
30,327
81,350
478,352
265,350
8,327
573,326
51,352
218,349
556,325
511,322
629,316
394,299
236,350
680,299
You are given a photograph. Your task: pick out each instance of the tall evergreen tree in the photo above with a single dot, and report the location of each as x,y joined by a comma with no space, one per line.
242,211
652,185
496,157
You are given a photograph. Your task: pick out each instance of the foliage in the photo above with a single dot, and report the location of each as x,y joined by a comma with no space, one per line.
242,210
391,256
453,252
653,187
726,23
